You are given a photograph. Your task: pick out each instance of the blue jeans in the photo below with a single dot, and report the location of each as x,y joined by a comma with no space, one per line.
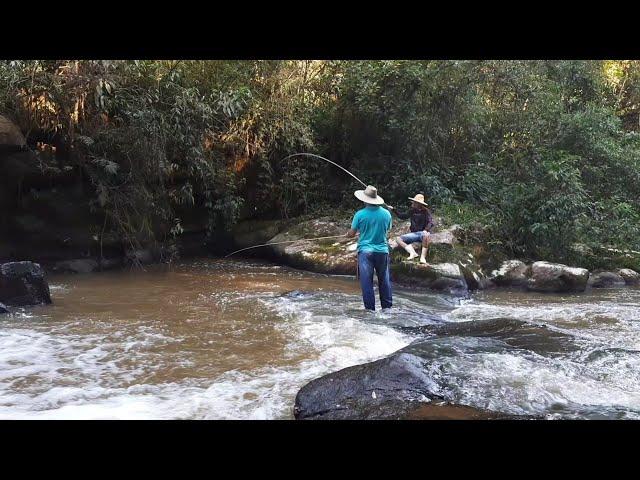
367,263
412,237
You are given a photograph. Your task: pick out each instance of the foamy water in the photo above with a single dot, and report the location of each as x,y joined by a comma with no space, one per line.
122,364
236,340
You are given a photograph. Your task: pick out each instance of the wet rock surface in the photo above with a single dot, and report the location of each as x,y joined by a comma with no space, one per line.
339,255
3,309
382,389
23,283
406,385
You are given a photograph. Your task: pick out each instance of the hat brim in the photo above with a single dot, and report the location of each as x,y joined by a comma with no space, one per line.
417,201
366,199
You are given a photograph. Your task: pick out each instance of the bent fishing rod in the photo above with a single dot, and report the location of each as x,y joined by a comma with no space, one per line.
312,155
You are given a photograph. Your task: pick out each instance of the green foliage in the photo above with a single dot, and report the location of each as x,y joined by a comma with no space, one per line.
533,157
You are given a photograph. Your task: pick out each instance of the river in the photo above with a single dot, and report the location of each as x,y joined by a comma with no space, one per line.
236,339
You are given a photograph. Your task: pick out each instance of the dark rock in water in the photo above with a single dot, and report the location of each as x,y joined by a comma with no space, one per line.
514,333
3,309
80,265
409,384
555,277
606,280
23,283
296,294
394,388
371,391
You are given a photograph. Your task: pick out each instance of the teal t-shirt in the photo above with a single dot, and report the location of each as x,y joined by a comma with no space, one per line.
373,222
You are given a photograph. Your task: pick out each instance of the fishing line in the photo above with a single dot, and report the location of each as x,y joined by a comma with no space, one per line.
313,155
286,241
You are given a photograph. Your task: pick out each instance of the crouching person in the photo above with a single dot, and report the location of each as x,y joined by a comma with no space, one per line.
421,225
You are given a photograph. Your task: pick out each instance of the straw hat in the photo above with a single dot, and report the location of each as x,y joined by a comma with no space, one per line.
369,195
419,198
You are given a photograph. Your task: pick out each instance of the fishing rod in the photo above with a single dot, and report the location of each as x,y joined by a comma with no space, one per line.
326,160
286,241
313,155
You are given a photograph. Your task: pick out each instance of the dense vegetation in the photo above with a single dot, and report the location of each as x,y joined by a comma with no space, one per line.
540,159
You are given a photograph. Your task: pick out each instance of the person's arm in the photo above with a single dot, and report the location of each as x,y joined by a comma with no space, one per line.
354,226
430,222
402,215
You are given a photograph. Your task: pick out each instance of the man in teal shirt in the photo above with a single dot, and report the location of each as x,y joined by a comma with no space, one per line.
373,222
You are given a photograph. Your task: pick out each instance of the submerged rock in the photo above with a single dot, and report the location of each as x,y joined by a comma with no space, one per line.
512,273
631,277
555,277
514,333
411,383
296,294
23,283
606,280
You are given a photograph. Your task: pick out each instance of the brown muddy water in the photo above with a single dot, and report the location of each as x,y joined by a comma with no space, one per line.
236,339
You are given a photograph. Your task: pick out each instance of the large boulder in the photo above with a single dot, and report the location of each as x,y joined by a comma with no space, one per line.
631,277
606,280
555,277
384,389
512,273
411,383
10,134
23,283
331,255
447,277
16,159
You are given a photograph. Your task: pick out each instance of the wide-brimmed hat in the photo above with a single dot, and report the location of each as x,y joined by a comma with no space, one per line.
369,195
419,198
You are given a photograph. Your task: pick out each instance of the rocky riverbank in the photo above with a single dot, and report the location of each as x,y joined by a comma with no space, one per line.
453,265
